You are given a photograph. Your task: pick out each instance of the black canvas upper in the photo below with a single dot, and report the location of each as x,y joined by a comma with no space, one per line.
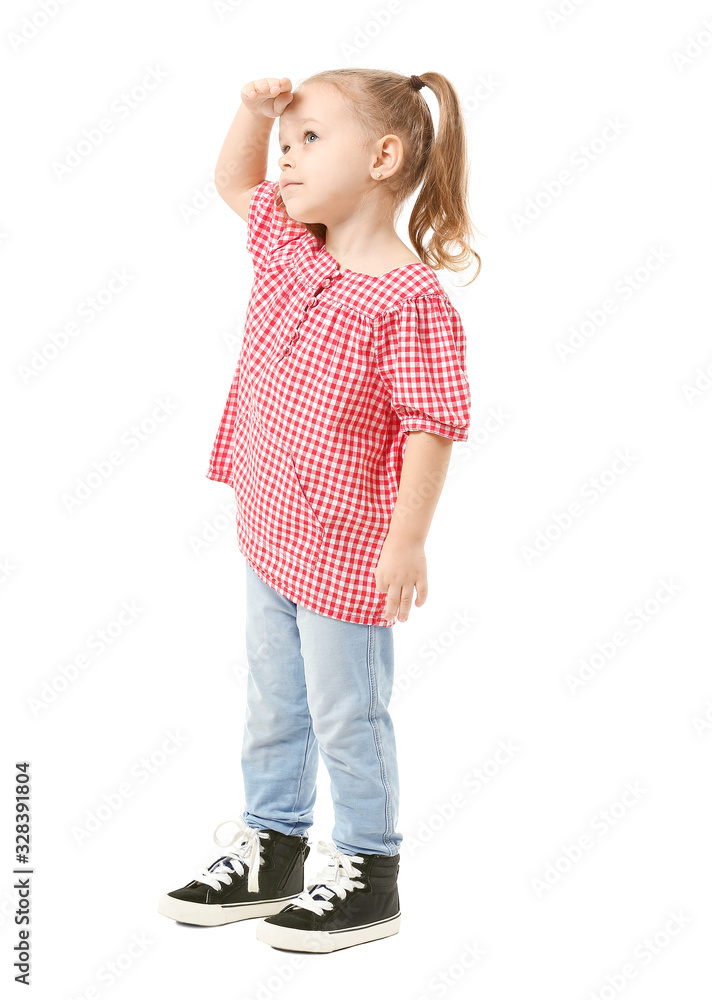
378,900
281,873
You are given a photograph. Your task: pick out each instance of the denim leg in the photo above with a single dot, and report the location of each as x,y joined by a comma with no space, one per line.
279,750
349,679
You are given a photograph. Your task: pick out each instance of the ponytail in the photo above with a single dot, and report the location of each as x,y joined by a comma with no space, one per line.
441,204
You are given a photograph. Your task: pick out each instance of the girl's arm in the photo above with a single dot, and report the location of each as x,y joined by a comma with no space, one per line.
425,464
402,565
242,163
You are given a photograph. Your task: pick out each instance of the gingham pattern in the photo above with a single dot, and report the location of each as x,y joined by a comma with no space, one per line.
335,368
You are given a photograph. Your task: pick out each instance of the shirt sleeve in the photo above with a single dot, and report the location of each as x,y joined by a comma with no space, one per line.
420,350
268,226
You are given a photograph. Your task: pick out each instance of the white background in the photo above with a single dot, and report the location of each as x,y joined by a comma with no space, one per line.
485,662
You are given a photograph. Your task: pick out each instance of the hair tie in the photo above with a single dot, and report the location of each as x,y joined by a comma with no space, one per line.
417,82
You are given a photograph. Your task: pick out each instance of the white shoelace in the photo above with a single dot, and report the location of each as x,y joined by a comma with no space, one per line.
247,853
333,880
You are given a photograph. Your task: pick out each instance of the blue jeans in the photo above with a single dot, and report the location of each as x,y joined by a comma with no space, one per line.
318,682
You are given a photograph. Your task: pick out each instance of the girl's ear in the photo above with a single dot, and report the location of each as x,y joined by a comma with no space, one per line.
390,158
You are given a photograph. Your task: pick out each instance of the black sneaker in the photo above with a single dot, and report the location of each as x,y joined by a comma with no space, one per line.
354,899
262,873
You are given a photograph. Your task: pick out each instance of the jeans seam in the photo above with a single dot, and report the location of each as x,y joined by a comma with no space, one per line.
373,685
301,776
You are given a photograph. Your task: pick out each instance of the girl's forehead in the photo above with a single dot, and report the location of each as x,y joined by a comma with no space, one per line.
318,102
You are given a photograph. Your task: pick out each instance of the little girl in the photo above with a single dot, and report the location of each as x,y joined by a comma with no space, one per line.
336,436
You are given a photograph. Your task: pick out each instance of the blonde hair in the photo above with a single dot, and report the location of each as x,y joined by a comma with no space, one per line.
383,103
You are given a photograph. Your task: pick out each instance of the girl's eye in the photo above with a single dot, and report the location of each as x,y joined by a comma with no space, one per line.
304,135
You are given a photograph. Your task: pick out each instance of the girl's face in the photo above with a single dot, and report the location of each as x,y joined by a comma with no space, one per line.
321,152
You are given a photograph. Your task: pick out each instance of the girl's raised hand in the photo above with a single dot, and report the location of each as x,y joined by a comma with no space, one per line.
268,97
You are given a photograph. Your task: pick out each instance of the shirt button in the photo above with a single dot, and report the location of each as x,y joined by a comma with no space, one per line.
287,350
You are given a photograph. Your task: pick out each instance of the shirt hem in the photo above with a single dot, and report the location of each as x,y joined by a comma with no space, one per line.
298,598
218,477
292,595
409,424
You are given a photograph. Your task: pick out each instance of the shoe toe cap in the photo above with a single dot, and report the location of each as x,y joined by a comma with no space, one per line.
191,893
293,916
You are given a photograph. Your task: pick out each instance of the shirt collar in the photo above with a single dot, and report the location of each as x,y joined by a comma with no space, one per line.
313,262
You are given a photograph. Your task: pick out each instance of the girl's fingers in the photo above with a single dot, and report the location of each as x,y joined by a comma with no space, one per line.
268,84
257,93
281,103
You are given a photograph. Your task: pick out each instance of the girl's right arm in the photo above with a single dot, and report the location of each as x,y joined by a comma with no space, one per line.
242,163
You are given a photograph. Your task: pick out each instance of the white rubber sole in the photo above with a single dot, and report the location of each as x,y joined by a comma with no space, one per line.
212,915
293,939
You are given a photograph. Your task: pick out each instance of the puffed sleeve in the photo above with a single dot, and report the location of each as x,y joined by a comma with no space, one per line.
420,350
268,227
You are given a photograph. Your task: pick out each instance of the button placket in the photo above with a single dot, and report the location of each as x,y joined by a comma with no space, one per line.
314,300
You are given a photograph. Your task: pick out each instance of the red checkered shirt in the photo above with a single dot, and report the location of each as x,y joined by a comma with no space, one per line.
335,369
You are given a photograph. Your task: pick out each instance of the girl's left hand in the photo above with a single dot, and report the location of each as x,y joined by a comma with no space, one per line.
401,567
